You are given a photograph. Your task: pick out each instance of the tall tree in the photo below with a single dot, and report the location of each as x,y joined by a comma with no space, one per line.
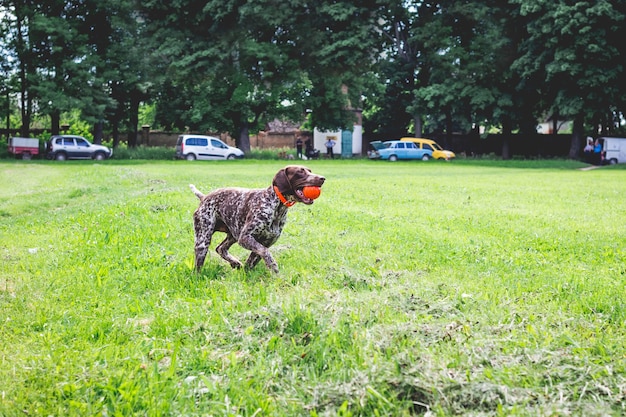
54,59
336,44
399,69
62,55
575,49
444,64
238,64
461,91
5,71
17,16
120,57
225,74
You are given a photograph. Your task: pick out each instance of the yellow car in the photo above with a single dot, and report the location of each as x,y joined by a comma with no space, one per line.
429,144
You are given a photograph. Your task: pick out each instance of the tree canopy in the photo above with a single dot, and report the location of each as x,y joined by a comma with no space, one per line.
234,65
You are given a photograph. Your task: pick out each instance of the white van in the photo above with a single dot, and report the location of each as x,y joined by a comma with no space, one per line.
192,147
614,150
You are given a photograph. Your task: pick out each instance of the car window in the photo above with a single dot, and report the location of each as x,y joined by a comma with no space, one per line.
428,147
436,146
411,145
217,144
82,142
68,141
197,142
59,141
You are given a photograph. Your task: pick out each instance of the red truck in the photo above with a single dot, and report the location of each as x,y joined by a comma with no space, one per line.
24,147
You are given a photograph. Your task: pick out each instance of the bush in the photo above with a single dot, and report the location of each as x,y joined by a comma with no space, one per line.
168,153
278,153
143,152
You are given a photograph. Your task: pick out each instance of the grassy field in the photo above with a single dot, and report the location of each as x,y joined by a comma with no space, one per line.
465,288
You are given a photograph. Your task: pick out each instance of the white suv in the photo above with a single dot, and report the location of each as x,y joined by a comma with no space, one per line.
62,147
192,147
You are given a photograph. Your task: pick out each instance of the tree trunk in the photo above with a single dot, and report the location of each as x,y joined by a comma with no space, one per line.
8,114
24,102
55,122
417,120
27,111
25,129
448,137
243,142
578,135
115,132
97,132
506,137
133,119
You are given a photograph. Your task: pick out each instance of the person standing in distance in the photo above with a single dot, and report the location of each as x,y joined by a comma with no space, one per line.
330,144
299,147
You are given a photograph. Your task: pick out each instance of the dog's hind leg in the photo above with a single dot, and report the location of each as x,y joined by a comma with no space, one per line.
222,249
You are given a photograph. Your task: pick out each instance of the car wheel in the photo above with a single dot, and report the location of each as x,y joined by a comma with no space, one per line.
99,156
190,157
393,158
231,156
612,161
425,157
60,156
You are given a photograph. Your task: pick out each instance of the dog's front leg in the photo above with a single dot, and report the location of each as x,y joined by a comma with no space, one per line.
250,243
203,234
252,260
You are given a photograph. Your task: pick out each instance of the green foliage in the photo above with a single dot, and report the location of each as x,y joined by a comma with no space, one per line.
579,51
143,152
462,288
235,66
277,153
257,64
80,128
147,115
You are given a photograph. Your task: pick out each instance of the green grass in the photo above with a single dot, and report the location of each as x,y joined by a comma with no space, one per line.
465,288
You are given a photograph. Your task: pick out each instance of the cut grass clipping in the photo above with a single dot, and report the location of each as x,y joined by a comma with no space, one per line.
463,288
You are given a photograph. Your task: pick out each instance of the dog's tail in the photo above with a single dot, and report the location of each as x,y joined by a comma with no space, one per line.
196,192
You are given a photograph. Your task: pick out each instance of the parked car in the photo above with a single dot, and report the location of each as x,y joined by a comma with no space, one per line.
62,147
437,151
393,150
613,150
24,147
192,147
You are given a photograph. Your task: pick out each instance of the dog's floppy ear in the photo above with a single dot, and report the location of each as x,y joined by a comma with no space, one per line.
282,182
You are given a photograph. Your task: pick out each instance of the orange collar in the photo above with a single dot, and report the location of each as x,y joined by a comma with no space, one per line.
282,198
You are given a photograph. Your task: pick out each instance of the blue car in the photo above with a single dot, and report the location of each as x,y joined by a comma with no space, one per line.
393,150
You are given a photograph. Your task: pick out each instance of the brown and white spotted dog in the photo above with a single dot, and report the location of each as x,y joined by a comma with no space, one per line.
254,218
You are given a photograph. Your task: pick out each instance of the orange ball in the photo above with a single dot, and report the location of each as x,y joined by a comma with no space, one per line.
312,192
